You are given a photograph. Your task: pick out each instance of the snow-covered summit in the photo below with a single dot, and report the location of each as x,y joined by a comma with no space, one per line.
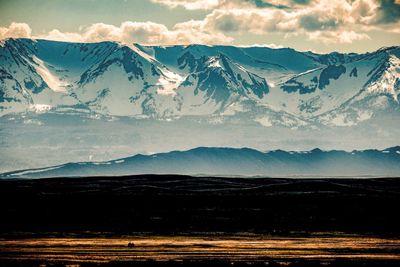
270,86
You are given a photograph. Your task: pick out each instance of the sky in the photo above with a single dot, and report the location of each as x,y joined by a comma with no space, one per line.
306,25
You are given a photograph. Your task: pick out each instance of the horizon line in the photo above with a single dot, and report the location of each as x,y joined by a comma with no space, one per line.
200,44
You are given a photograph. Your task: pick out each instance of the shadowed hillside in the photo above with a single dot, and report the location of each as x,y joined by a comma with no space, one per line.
178,204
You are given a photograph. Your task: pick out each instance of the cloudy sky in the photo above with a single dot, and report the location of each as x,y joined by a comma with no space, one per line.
316,25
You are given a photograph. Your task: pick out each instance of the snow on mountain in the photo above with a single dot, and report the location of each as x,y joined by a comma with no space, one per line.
379,93
273,64
273,87
216,83
28,79
12,95
342,94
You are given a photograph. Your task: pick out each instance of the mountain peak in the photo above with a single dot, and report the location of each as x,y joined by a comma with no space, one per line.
267,86
233,162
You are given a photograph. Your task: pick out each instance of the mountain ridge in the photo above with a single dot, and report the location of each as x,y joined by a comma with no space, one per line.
235,162
275,87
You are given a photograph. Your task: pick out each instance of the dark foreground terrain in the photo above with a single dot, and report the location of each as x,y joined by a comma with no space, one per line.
199,221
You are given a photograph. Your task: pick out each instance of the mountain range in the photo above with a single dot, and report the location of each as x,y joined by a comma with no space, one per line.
273,87
235,162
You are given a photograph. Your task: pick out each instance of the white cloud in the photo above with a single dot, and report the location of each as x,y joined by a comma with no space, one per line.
147,33
16,30
350,20
190,4
99,32
253,21
62,36
195,31
326,21
332,37
143,32
271,45
226,4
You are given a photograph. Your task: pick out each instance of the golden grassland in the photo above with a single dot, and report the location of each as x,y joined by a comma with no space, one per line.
176,248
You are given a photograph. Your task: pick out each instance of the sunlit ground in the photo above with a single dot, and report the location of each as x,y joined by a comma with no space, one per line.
232,248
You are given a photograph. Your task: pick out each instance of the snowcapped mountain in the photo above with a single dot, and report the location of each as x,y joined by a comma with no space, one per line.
107,78
231,161
273,87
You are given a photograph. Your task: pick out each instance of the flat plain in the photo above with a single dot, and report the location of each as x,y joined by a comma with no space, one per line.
199,221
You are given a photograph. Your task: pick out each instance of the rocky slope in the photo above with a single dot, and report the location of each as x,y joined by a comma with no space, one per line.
274,87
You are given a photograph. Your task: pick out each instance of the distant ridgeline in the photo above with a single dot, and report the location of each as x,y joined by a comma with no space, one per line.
235,162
